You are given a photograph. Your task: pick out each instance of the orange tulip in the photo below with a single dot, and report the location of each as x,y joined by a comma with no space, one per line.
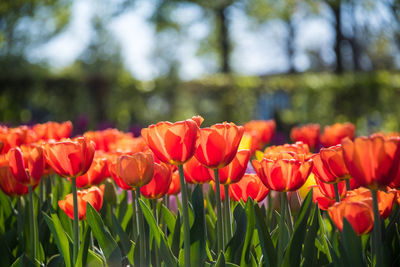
335,133
298,148
288,172
308,134
195,172
175,186
112,168
332,158
372,161
235,170
92,195
385,200
218,144
261,131
358,214
321,171
9,185
105,138
53,130
249,186
27,167
173,143
321,199
136,170
324,193
95,175
159,185
70,158
14,137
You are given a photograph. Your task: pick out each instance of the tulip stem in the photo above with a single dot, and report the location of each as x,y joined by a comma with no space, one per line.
289,218
377,235
76,220
220,236
227,212
337,195
156,254
134,214
185,211
20,223
348,187
32,224
141,231
282,230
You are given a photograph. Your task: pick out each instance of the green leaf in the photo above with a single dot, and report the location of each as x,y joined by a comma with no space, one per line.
267,246
220,261
165,251
324,236
246,259
123,237
107,243
309,250
198,231
94,260
292,255
234,248
84,248
59,236
352,246
176,237
169,218
23,261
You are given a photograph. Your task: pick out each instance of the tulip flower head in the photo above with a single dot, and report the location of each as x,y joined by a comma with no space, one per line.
261,132
234,171
136,170
95,175
175,186
93,195
9,185
335,133
308,134
195,172
159,184
249,186
218,144
173,143
70,158
53,130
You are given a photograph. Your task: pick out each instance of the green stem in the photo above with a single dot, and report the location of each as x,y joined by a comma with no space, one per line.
185,211
134,214
20,224
377,235
282,231
41,193
76,220
337,195
141,231
289,217
348,187
32,224
220,236
227,212
156,255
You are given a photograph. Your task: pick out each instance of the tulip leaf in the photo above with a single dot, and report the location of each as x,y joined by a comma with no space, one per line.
23,261
84,248
198,231
169,218
165,251
123,237
130,254
235,245
107,243
211,230
176,236
293,252
267,246
59,236
220,261
352,246
246,257
309,250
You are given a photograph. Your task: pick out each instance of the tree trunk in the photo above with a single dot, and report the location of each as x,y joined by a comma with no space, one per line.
336,9
290,46
223,39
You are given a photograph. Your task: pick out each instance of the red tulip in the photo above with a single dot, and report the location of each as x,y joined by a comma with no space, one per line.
308,134
95,175
195,172
53,130
298,148
372,161
175,186
136,170
112,168
324,193
159,185
92,195
9,185
249,186
358,214
286,173
332,158
235,170
335,133
173,143
27,167
14,137
70,158
321,199
321,171
218,144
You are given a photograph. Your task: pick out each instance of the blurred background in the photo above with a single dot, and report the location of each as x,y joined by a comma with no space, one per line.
129,63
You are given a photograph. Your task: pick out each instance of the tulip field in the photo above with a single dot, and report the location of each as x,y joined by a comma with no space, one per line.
181,194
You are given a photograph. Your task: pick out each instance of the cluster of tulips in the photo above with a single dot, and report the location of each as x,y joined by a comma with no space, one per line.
238,204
